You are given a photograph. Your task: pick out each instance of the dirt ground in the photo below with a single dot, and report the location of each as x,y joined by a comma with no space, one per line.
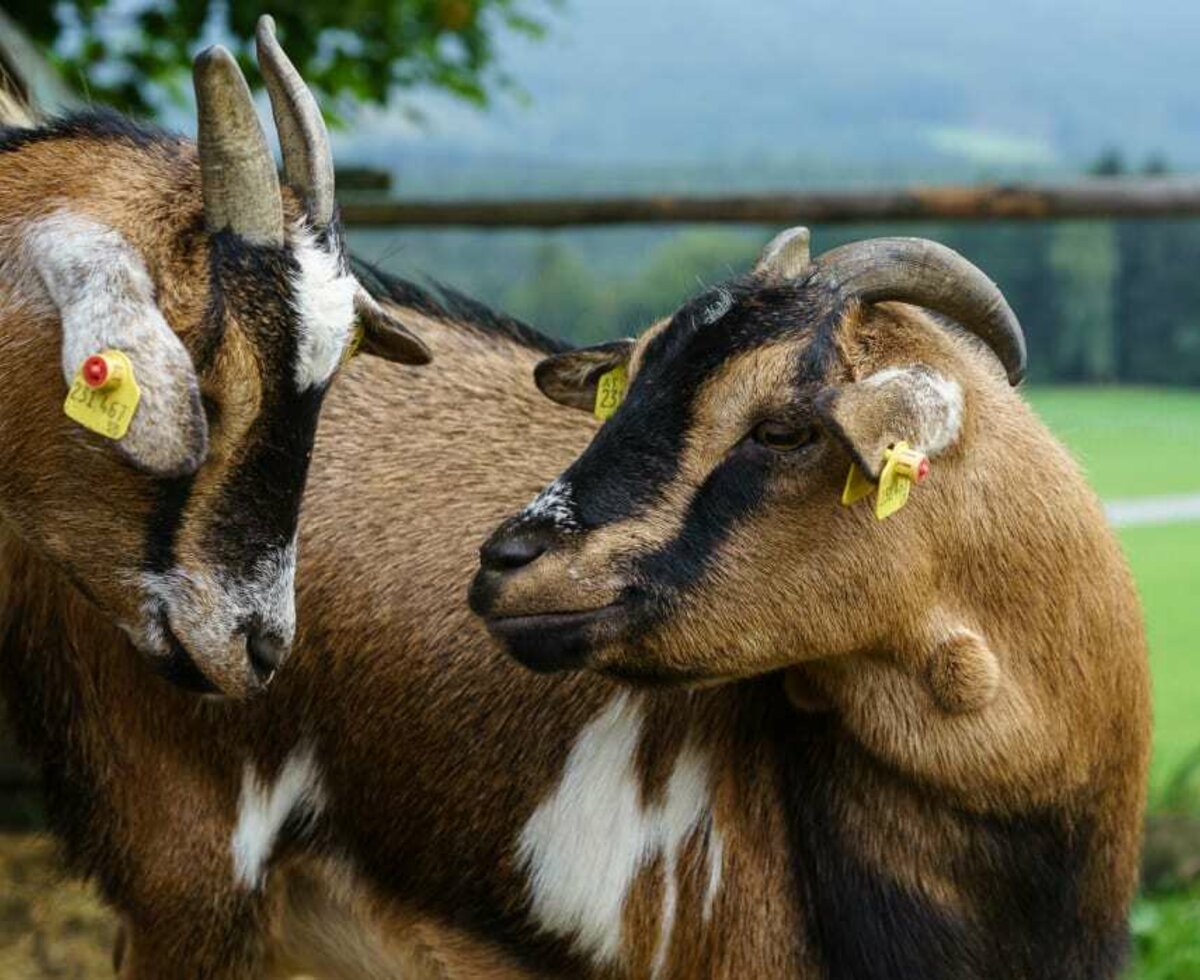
50,927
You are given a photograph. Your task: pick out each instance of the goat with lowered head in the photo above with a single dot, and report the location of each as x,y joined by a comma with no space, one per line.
908,748
230,302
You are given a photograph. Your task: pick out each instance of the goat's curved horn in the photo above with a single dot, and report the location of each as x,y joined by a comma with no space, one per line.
241,188
924,273
307,159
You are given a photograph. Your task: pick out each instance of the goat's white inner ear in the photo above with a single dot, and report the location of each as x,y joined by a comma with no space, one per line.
571,378
105,300
915,404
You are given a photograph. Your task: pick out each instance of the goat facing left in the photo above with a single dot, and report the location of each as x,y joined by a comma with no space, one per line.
232,299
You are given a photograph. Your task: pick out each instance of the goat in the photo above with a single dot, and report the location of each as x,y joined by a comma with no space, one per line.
410,801
966,799
197,313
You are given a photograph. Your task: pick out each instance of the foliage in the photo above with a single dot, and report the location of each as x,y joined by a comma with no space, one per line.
1165,946
132,54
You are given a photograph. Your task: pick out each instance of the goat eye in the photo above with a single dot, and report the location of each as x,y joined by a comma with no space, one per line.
782,437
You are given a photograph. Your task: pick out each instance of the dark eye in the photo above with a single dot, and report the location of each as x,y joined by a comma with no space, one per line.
782,437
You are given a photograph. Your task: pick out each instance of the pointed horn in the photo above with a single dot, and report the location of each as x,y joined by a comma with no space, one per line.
241,188
786,256
307,159
924,273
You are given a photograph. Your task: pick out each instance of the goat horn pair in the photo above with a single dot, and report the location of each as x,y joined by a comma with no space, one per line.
240,185
910,270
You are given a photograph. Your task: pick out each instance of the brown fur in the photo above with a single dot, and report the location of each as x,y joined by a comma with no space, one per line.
435,748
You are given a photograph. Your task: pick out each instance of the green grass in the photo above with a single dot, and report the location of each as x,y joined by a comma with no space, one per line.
1165,931
1136,442
1132,442
1166,564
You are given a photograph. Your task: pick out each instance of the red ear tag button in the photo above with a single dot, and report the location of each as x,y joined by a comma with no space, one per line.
101,371
95,371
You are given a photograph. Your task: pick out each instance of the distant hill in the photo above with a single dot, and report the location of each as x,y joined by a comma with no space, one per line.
757,93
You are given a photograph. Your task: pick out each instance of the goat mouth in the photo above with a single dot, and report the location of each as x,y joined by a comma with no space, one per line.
179,666
554,641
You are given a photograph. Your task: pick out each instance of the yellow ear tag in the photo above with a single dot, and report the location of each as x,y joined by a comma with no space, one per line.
857,486
104,394
352,346
903,466
610,391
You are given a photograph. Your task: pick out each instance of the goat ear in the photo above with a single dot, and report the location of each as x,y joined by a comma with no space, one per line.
915,404
385,336
105,301
571,378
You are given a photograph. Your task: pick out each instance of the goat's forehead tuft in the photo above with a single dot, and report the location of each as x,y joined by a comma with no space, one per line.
324,297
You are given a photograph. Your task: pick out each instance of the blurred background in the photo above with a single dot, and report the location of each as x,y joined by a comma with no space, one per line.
537,154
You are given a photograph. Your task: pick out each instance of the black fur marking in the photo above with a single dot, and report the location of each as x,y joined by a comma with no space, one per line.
260,502
446,303
636,454
98,124
162,525
1021,913
732,491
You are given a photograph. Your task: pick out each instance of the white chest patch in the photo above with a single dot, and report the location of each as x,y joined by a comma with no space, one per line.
264,807
585,844
325,301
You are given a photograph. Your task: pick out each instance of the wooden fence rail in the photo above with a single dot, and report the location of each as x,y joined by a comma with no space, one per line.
1098,197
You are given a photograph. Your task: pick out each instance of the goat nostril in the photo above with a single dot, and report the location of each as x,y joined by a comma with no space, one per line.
265,652
508,552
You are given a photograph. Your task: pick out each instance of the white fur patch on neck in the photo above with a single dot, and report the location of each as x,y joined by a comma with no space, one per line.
324,297
585,844
264,807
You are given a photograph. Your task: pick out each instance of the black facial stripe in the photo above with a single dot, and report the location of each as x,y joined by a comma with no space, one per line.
637,453
170,502
260,501
732,491
1022,876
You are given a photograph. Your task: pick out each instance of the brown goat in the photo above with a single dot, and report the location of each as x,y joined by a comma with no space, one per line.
957,797
124,250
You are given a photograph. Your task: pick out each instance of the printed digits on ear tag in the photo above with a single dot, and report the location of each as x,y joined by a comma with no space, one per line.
610,390
104,395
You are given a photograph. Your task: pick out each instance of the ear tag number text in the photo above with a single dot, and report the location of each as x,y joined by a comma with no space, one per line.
903,466
610,391
104,395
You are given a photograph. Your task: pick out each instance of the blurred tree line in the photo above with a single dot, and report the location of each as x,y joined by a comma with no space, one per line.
1100,301
134,54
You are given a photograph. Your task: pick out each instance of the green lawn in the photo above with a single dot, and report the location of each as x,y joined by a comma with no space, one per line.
1132,442
1137,442
1166,562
